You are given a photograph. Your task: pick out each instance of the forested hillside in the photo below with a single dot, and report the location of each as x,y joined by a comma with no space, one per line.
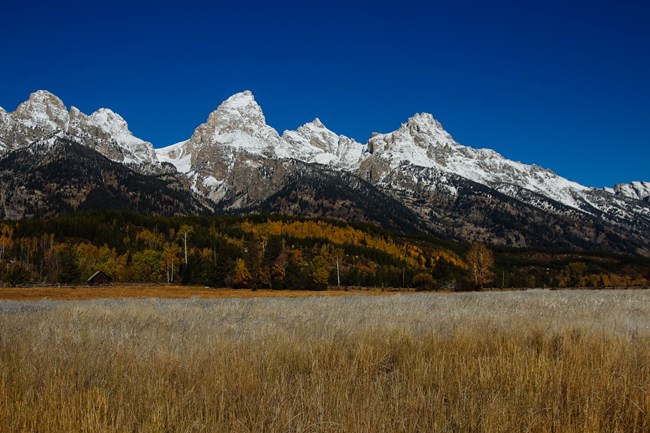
278,253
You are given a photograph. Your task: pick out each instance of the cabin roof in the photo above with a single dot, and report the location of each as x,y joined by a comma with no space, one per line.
93,276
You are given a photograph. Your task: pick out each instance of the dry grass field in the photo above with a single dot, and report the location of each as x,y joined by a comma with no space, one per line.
537,361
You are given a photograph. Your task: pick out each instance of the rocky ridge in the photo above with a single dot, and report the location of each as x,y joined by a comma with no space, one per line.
44,115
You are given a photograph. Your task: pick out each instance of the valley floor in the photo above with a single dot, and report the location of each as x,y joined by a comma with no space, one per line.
536,361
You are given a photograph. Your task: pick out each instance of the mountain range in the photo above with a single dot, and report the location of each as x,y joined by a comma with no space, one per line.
417,178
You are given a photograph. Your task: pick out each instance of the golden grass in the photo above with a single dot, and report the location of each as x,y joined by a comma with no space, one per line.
163,292
491,362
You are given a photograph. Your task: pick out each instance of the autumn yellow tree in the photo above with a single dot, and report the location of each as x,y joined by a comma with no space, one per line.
479,264
278,270
91,258
169,258
150,239
241,278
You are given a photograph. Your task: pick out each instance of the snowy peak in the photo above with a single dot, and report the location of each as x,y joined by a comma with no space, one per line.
40,101
44,114
43,110
423,142
110,120
314,142
424,123
635,190
240,101
313,134
114,127
237,123
417,141
239,111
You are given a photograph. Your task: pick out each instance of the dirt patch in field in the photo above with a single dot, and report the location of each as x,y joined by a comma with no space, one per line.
169,292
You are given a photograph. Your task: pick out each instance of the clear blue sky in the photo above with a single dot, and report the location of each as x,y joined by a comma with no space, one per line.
563,84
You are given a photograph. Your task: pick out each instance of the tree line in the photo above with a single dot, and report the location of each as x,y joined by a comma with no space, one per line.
257,252
278,252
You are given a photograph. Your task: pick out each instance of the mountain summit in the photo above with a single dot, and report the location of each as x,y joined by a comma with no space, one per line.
239,113
44,114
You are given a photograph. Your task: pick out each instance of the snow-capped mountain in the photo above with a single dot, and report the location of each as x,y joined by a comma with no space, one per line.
238,126
44,114
238,161
635,190
235,162
237,131
422,142
314,143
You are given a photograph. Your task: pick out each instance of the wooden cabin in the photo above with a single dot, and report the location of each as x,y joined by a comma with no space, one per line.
100,278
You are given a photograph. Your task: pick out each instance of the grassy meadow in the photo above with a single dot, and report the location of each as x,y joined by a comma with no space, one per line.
535,361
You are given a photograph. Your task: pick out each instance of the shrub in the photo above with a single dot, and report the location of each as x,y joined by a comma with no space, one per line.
424,281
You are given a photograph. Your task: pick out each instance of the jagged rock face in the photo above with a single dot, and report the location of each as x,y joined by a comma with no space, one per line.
238,123
422,142
40,116
309,190
313,142
237,160
44,115
59,175
415,141
42,111
231,157
634,190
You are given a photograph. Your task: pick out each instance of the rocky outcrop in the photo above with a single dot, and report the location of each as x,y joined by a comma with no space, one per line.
633,190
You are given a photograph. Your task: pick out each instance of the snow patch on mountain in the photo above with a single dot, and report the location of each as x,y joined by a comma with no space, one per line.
177,155
635,190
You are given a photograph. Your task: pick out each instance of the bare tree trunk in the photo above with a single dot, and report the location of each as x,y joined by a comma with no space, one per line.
185,245
338,273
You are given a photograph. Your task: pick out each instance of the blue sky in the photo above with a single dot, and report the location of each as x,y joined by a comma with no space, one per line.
565,86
